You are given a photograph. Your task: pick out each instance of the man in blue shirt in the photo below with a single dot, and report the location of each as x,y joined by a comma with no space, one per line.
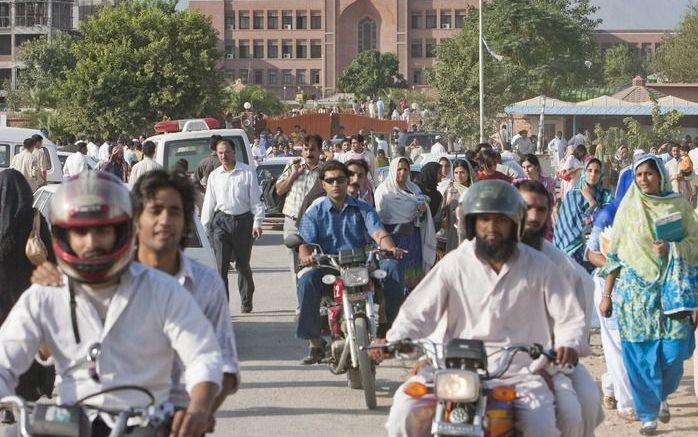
336,223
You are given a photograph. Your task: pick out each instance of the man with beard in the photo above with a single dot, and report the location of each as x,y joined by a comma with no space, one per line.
577,397
494,289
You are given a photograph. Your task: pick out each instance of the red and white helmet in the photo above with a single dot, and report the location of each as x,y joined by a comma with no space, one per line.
92,199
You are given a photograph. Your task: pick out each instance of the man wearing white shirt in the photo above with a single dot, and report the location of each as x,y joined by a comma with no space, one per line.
233,211
382,144
103,153
556,150
93,150
116,308
437,147
147,163
77,162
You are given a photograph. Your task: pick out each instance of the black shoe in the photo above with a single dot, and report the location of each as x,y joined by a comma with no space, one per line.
246,309
315,356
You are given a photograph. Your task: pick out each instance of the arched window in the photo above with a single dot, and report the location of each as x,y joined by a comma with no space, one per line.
367,34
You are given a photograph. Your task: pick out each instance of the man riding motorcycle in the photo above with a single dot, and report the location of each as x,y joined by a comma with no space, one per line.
114,322
495,289
335,223
576,394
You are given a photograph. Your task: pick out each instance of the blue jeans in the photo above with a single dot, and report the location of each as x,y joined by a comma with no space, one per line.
310,293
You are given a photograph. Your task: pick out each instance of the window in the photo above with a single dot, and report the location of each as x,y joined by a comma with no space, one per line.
301,20
272,77
244,20
367,34
258,20
258,77
446,19
301,49
315,20
315,49
287,76
244,75
272,49
230,50
258,49
230,21
417,20
300,77
417,77
430,48
416,48
244,49
287,20
460,19
272,19
229,74
5,157
286,49
431,20
315,77
195,149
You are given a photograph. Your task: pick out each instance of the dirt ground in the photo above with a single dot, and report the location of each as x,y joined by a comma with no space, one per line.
683,403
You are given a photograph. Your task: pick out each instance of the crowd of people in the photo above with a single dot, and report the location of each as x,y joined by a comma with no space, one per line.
486,242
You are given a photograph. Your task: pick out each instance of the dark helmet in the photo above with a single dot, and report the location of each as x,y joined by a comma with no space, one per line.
92,199
492,197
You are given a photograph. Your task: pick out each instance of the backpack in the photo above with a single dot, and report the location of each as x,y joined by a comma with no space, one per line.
273,201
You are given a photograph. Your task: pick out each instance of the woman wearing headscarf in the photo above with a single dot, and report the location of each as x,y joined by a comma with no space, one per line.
16,222
651,285
571,170
402,209
446,175
577,212
463,178
427,181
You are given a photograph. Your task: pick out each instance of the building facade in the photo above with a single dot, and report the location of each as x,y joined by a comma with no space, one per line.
304,46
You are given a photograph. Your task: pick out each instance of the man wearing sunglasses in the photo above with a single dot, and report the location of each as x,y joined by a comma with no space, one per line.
336,223
114,322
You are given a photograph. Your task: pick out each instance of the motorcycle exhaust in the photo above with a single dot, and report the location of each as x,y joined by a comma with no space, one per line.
340,366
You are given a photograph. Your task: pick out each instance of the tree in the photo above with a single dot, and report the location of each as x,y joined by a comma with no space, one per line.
139,62
664,127
262,100
620,66
370,72
673,60
544,43
45,62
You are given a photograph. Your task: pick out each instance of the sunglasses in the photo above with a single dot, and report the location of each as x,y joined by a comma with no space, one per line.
339,180
93,353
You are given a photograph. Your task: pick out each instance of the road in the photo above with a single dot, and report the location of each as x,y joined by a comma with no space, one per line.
278,395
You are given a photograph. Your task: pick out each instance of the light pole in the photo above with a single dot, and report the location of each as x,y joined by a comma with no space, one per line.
284,92
482,76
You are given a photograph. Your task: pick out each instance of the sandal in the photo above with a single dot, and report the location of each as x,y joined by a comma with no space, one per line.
628,415
610,403
649,428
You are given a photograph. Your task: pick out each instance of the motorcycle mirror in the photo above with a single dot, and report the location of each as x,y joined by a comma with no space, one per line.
292,241
329,279
379,274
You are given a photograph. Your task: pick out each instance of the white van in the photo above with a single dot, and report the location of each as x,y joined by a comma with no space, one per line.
11,143
193,146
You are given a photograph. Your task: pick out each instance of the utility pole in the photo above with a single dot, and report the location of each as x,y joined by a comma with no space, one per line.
482,76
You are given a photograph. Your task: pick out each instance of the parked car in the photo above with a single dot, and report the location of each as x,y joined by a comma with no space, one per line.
425,139
268,171
11,142
196,245
193,146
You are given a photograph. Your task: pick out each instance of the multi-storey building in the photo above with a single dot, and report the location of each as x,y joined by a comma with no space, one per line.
305,45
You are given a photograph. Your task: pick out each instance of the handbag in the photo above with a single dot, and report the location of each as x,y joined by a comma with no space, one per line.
35,248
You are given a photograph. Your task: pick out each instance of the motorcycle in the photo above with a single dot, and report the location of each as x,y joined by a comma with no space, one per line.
468,402
43,419
349,316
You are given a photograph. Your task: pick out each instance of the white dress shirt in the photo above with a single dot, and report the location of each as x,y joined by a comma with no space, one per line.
75,164
150,318
438,148
512,306
141,168
103,153
93,151
207,289
233,192
26,163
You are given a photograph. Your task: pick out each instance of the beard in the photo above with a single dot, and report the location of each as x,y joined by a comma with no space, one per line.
533,237
497,251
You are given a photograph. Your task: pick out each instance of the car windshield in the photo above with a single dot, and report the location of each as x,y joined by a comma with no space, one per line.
193,150
269,171
4,156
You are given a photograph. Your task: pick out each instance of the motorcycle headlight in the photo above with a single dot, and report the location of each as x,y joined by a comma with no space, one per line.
355,276
457,385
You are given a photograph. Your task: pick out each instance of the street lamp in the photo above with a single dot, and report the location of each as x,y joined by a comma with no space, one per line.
482,75
284,92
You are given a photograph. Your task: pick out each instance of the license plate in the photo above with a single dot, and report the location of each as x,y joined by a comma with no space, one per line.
460,429
355,297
